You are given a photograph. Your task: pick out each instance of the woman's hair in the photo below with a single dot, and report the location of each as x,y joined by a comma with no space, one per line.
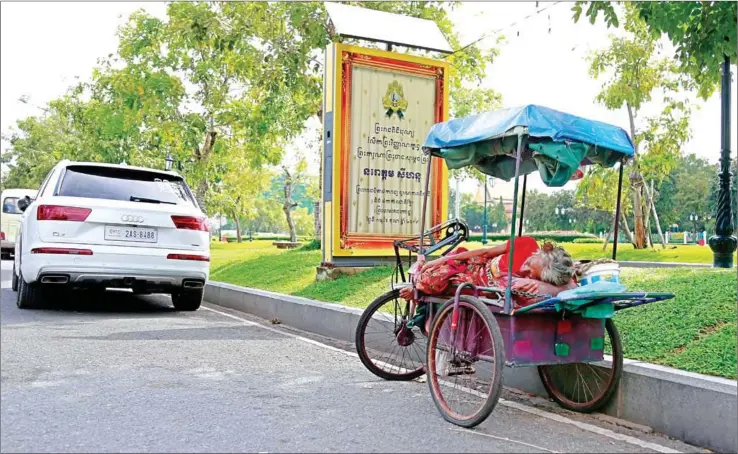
557,265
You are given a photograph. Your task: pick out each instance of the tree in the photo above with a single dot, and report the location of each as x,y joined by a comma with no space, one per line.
236,194
702,32
636,76
214,82
292,175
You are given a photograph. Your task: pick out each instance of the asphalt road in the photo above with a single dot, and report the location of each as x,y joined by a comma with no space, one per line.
116,373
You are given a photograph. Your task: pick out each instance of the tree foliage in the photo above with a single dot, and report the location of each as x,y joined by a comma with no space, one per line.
702,32
223,87
634,75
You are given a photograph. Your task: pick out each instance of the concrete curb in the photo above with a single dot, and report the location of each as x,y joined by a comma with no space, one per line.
697,409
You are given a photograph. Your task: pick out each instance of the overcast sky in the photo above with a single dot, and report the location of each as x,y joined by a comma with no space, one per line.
46,45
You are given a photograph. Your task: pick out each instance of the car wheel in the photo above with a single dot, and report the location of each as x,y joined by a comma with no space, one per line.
187,300
29,295
14,281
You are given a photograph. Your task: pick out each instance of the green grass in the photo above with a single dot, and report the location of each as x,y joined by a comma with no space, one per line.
695,331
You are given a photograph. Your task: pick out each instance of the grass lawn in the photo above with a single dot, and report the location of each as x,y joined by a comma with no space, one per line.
695,331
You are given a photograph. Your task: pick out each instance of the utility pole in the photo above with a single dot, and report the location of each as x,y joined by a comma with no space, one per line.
484,217
723,243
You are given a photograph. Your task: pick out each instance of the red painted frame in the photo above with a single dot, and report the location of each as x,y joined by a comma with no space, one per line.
348,61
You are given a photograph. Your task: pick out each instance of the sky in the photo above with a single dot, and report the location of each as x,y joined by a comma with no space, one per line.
45,46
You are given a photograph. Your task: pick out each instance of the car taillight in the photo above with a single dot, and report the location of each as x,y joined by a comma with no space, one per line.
61,213
190,223
199,258
60,250
2,235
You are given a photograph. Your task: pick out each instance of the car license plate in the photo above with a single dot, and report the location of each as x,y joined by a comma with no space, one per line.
133,234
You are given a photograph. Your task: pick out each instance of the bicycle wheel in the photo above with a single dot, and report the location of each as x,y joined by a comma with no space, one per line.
466,381
385,344
585,387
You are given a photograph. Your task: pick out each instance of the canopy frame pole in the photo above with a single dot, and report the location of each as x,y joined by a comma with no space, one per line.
617,212
425,205
508,290
522,206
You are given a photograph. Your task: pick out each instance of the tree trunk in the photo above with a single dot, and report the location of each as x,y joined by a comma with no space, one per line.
290,223
647,218
317,221
201,193
652,205
289,204
636,185
238,227
609,234
624,221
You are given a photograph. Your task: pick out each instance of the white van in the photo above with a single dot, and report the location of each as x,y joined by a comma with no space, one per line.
10,217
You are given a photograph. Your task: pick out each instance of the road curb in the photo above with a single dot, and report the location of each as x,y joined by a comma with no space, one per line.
694,408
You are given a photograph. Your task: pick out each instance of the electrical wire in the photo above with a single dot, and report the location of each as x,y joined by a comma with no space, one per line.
518,22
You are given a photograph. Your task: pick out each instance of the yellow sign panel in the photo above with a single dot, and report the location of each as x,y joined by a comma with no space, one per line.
382,108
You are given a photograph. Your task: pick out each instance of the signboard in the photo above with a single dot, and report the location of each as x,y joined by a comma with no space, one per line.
379,107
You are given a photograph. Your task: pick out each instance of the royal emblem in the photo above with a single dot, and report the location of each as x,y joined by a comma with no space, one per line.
394,100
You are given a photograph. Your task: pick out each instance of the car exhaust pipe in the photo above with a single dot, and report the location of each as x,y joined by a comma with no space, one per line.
192,284
54,279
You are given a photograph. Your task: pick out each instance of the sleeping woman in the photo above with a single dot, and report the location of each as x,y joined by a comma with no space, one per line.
547,270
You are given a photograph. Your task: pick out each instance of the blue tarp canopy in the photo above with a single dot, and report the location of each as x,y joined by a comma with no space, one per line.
557,143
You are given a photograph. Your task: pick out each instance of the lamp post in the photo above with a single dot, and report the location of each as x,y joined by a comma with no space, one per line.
561,211
723,243
484,215
694,218
169,161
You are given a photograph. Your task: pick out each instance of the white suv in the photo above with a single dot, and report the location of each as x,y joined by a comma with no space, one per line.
112,226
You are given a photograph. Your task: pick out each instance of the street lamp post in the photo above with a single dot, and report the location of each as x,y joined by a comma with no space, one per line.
484,216
694,218
169,161
723,243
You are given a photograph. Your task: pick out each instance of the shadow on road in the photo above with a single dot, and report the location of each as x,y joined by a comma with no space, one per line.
87,303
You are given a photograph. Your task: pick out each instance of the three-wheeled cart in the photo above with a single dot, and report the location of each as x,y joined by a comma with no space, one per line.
473,332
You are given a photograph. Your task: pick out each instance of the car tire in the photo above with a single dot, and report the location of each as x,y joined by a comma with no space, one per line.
14,279
29,295
187,300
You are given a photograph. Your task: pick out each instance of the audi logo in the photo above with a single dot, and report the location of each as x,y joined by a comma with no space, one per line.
131,218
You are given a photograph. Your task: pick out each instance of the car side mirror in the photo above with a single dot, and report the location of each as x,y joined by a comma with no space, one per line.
24,203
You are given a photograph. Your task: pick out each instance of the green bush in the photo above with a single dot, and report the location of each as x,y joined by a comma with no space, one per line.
587,240
245,238
559,237
314,245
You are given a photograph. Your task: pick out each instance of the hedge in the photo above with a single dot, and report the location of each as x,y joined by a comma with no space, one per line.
587,240
245,237
559,237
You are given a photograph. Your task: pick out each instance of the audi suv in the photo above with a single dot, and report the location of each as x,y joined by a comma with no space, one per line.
105,226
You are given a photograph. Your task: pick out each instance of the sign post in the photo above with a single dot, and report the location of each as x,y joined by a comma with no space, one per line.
378,108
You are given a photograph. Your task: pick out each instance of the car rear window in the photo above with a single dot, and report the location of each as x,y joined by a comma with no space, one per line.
10,205
116,183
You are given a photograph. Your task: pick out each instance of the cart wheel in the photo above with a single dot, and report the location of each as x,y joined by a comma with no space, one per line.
465,382
386,346
585,387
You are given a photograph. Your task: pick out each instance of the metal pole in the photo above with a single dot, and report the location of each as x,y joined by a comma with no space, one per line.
522,206
457,201
723,243
617,214
425,204
508,290
484,215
